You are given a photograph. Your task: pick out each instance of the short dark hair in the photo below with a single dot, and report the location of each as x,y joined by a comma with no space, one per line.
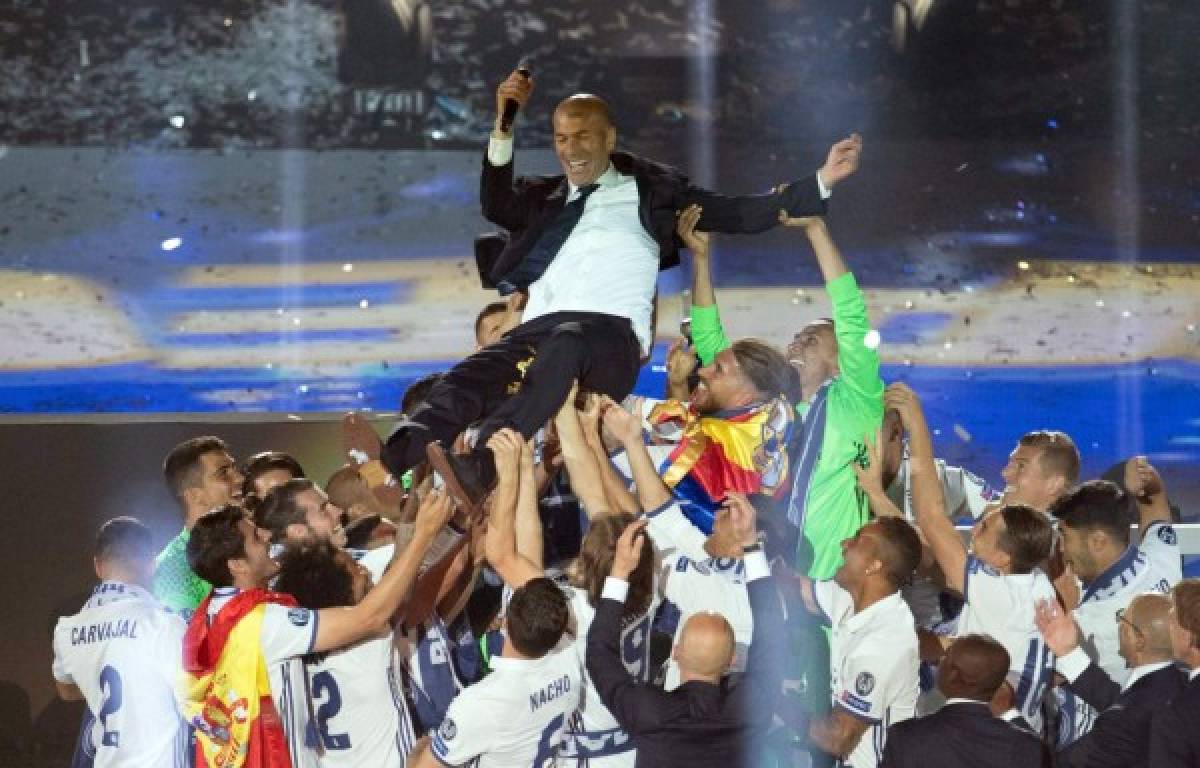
536,617
261,463
124,538
179,468
1186,597
1028,537
215,540
1059,456
418,392
278,509
982,676
901,549
764,366
1096,505
493,308
314,572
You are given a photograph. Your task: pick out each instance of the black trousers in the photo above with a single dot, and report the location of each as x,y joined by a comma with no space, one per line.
520,382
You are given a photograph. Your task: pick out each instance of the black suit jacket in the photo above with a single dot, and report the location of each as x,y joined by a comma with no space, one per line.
1120,737
697,724
1175,733
962,735
524,206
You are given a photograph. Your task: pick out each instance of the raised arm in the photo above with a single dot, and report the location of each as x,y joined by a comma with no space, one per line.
651,490
528,523
581,464
870,478
708,336
1147,489
338,627
498,195
635,706
928,505
501,540
615,490
757,213
1085,679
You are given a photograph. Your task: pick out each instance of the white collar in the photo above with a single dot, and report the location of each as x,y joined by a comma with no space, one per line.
1192,673
610,177
504,662
863,618
1137,673
957,700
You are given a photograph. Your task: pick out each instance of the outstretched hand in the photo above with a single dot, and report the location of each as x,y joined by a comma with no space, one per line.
625,426
1057,627
901,397
842,161
695,240
1142,479
506,446
870,477
629,550
518,88
743,517
681,362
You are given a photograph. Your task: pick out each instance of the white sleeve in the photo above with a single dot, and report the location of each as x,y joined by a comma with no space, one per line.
1160,542
670,529
58,667
830,599
466,731
500,151
871,680
287,632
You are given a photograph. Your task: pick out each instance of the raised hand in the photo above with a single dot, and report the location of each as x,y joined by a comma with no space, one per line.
518,88
435,510
696,241
1142,479
900,396
506,446
842,161
681,363
870,478
743,518
624,425
629,550
1057,627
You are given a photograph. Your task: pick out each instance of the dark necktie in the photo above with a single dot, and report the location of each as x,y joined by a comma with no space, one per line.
551,240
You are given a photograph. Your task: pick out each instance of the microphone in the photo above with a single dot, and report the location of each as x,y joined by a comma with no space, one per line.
511,105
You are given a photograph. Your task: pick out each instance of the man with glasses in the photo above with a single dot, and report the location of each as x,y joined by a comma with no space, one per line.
1120,735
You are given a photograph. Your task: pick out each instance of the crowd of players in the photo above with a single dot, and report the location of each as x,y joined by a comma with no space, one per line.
759,569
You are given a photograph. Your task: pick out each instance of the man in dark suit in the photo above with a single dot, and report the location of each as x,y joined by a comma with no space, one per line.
1175,737
707,720
964,732
585,248
1120,737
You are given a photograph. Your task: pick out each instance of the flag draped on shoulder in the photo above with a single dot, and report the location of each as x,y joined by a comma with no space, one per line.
225,689
743,450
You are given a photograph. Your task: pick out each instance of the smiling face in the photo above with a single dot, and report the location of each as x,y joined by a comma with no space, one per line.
322,518
860,558
722,385
1026,481
986,537
814,353
583,139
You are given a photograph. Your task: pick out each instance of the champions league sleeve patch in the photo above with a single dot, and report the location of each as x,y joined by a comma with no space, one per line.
299,616
864,683
448,730
1166,534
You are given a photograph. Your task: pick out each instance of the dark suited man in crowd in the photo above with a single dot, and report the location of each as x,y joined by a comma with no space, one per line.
1175,737
586,247
964,732
708,720
1120,737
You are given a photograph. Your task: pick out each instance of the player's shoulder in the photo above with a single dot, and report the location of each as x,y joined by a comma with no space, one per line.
977,567
1160,534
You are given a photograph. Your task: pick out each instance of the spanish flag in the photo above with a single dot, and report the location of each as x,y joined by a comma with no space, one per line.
226,691
743,450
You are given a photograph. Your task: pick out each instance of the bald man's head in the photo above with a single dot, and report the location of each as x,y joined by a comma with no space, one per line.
584,136
705,648
1144,630
973,668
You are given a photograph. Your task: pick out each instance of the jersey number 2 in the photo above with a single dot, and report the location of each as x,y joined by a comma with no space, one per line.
110,686
323,683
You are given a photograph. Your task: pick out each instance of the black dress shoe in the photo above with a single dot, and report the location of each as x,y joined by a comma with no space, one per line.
465,476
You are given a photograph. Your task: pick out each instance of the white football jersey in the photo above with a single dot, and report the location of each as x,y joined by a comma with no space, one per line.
123,651
361,716
715,585
873,665
1002,606
515,717
594,736
286,634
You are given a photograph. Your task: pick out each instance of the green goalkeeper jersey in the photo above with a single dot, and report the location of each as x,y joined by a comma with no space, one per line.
826,503
175,584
